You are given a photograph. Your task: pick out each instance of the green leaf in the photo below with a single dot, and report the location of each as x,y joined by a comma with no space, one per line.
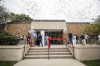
8,39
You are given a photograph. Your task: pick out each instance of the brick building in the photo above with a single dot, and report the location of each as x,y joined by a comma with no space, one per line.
53,28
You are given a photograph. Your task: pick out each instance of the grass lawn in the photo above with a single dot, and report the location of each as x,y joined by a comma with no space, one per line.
7,63
91,62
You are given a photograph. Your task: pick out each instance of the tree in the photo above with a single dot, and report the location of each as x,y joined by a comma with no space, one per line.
95,28
20,18
4,15
97,21
87,29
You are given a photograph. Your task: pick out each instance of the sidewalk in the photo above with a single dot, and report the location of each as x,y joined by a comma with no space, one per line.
50,62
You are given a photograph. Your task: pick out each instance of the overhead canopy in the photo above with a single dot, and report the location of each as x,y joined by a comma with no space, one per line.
48,26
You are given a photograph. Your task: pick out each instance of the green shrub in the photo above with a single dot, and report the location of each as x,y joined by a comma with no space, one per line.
8,39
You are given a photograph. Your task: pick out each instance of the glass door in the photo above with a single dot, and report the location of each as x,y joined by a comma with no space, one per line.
54,35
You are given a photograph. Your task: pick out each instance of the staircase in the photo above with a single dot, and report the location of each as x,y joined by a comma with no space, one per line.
42,53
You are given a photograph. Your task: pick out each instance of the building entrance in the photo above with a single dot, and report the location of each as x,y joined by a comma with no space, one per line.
54,35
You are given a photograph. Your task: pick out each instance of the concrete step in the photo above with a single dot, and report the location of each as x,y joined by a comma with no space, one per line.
46,56
49,50
50,53
42,53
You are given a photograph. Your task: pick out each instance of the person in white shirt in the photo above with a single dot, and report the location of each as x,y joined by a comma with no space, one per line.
86,38
99,36
74,39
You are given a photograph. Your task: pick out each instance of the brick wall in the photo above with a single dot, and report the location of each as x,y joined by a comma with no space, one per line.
77,29
19,28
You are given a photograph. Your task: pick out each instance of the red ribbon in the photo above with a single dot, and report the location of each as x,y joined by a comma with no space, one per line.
54,39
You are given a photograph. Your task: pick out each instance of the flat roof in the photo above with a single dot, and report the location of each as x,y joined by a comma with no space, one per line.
77,22
18,22
49,21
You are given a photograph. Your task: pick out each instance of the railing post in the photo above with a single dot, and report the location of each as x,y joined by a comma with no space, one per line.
48,48
48,52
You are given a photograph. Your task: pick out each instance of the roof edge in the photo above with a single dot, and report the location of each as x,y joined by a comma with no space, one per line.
18,22
77,22
49,21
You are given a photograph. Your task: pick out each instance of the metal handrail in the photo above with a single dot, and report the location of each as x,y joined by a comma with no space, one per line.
48,48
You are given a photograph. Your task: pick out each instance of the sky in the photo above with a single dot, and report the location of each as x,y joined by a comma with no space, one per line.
69,10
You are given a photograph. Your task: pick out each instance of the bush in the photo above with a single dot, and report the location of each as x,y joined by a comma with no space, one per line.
8,39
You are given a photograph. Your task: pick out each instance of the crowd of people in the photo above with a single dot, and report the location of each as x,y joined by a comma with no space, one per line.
36,39
74,38
39,39
20,38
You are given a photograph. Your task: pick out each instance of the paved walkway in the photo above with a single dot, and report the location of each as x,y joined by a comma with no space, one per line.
50,62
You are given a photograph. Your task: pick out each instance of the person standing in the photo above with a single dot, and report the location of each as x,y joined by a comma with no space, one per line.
34,37
86,38
77,40
22,39
74,39
18,37
28,38
99,36
46,41
70,38
83,39
39,38
92,37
